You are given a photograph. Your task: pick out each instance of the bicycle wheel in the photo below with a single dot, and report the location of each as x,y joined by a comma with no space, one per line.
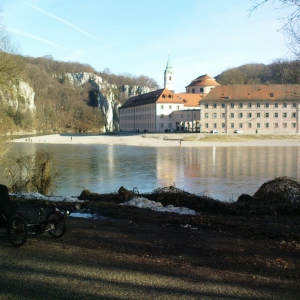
17,231
58,226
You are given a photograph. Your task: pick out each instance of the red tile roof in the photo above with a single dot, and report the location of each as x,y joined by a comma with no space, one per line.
204,80
259,92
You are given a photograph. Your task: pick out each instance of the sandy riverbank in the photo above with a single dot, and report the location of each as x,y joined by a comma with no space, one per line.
152,140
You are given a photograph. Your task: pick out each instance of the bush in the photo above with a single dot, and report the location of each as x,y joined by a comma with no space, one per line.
32,173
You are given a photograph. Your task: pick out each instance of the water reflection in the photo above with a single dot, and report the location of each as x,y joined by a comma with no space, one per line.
220,172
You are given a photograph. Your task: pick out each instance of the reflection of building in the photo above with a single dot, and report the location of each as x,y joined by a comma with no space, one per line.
252,108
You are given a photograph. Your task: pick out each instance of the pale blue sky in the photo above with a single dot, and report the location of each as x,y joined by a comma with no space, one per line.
135,36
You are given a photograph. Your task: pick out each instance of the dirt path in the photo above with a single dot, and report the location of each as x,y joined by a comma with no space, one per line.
135,259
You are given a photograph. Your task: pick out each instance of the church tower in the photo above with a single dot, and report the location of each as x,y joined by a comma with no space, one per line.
169,82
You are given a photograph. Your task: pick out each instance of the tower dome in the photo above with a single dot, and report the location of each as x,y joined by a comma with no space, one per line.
201,85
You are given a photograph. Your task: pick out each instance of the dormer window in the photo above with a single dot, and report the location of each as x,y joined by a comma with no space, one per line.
170,77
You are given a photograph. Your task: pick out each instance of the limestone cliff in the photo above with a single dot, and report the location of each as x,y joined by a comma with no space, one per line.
106,95
20,98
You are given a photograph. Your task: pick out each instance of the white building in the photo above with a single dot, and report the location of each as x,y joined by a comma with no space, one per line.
160,111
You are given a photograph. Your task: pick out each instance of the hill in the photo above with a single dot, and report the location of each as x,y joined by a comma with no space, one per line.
61,105
279,72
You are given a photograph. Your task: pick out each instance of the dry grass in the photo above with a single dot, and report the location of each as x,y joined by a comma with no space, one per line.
241,137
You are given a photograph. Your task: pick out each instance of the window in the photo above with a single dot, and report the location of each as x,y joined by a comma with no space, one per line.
275,115
214,115
232,125
249,125
249,115
177,107
232,115
170,106
170,125
205,105
215,125
240,125
170,115
231,105
284,105
201,90
267,115
193,90
162,116
162,125
206,125
181,116
258,115
276,105
206,115
294,105
223,105
223,115
284,115
284,125
249,105
267,125
258,125
258,105
177,116
240,105
162,107
188,115
194,115
267,105
240,115
214,105
223,125
293,125
276,125
170,77
293,115
271,94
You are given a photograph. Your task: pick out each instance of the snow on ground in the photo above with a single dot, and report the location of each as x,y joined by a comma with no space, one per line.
38,196
142,202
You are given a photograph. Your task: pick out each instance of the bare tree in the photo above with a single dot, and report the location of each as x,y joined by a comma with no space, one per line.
291,26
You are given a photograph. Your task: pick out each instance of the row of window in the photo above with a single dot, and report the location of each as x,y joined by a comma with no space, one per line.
250,115
250,125
143,125
249,105
170,107
138,117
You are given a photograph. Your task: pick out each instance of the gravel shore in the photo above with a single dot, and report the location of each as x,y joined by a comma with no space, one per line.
151,140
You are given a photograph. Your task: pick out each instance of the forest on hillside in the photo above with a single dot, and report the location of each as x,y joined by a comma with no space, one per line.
62,107
280,71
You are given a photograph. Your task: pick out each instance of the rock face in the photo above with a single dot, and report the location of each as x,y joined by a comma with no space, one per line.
131,91
106,95
20,97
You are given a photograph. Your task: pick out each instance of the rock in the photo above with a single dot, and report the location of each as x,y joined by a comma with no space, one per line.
107,103
21,98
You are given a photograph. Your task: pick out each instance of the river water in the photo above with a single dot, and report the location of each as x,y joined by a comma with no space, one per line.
222,173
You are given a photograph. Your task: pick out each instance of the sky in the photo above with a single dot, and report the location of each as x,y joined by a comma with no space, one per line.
136,36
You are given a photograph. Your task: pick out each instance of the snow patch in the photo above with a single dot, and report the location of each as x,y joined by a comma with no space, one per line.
38,196
142,202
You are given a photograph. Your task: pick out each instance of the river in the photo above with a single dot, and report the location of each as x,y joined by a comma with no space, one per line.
222,173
